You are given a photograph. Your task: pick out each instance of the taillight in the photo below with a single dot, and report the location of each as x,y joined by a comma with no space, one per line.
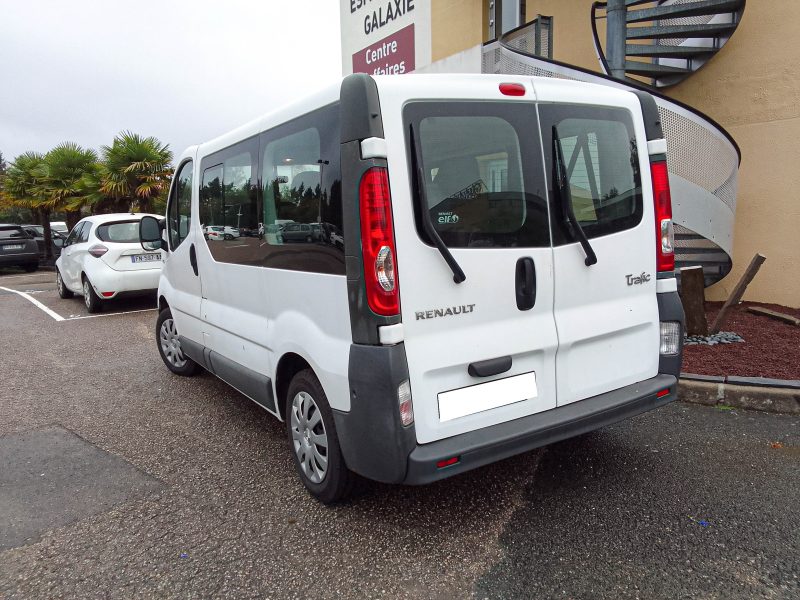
98,250
377,243
665,234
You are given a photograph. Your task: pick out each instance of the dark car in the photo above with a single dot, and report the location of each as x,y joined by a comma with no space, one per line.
298,232
57,239
18,248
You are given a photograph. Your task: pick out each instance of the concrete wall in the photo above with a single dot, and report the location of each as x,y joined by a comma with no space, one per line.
751,87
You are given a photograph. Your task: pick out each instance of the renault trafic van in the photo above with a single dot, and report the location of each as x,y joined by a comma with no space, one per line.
494,270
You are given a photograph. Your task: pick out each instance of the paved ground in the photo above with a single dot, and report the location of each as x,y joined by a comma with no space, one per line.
184,488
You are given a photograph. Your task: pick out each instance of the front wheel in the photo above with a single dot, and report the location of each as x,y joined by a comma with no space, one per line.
90,297
169,346
313,440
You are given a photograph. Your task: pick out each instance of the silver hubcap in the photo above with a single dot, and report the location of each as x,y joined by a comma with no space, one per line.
87,298
309,438
59,283
171,344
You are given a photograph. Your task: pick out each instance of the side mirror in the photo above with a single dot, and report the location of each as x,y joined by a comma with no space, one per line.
150,230
58,242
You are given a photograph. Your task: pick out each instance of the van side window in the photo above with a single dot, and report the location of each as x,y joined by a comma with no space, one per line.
229,204
601,163
301,178
180,206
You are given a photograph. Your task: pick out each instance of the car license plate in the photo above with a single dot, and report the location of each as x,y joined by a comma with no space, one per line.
139,258
14,247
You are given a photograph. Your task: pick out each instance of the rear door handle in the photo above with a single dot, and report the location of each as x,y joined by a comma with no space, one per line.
525,283
193,258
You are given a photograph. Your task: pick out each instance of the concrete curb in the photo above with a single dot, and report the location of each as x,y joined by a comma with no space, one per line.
713,391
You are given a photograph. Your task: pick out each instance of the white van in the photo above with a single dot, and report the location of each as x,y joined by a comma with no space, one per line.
505,281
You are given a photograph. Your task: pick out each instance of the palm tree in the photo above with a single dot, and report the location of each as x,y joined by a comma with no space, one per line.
23,186
137,171
63,173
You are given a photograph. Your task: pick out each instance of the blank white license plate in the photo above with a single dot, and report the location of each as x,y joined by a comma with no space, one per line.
139,258
13,247
486,396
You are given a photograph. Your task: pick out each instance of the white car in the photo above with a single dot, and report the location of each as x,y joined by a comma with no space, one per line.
102,259
217,232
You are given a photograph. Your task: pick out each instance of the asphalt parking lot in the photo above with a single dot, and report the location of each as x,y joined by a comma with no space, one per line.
120,480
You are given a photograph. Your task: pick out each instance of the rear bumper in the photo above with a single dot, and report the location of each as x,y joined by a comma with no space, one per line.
377,446
477,448
123,283
19,258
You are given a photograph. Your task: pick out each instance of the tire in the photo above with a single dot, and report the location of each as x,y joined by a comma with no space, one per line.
228,237
30,268
309,424
308,239
63,290
93,302
169,347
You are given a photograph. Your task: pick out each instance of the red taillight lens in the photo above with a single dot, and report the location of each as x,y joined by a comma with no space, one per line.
98,250
447,462
665,235
377,243
512,89
107,294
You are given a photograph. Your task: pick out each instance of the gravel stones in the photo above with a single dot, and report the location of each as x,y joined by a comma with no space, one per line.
723,337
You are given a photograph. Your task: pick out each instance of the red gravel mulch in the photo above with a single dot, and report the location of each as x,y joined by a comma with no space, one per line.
771,347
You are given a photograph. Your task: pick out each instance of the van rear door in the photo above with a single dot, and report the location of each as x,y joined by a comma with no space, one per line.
479,352
606,313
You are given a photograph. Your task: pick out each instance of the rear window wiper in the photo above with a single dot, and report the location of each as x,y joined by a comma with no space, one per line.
427,223
561,184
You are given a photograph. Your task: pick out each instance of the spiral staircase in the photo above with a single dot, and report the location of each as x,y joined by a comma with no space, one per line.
676,37
668,40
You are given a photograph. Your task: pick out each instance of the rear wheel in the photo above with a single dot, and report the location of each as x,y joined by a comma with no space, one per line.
314,442
63,290
90,298
169,346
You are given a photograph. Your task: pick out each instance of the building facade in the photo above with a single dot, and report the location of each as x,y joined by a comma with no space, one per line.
726,79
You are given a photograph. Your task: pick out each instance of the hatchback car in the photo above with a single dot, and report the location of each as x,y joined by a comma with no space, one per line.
18,248
102,259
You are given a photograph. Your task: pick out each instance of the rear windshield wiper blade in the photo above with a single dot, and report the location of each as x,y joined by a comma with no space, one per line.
561,184
427,222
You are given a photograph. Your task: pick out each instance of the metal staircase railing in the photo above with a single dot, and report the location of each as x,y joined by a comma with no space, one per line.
668,40
702,157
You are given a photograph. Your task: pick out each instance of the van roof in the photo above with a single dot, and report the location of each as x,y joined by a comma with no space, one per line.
457,82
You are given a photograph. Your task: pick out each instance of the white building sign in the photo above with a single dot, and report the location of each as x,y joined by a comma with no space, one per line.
382,37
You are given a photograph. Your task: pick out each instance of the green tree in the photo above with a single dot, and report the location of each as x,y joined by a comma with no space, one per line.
137,172
23,187
64,174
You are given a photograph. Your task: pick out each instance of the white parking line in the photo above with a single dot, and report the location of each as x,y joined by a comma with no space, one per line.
35,302
127,312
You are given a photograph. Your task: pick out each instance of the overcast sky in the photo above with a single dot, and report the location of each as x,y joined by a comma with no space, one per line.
181,70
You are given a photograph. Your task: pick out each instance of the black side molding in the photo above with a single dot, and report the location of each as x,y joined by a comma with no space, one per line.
487,368
361,109
252,384
652,118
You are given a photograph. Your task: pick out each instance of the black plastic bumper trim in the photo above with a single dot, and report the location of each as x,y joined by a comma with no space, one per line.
488,445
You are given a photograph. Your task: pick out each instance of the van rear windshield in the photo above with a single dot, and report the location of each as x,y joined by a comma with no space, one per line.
481,173
124,232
